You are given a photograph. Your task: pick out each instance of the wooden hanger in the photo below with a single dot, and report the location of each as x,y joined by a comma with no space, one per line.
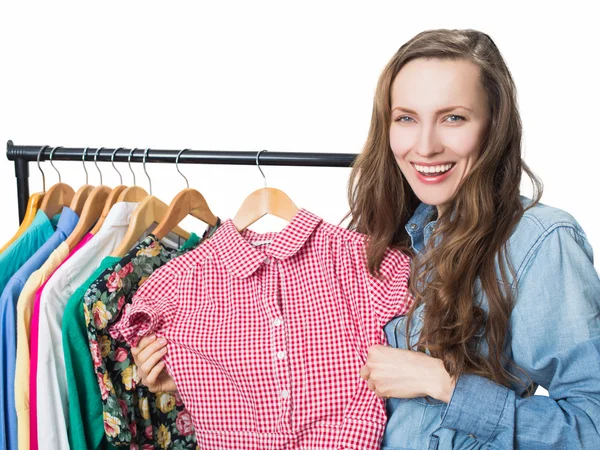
58,196
189,202
93,209
262,202
108,204
112,197
80,198
134,194
91,212
150,210
83,192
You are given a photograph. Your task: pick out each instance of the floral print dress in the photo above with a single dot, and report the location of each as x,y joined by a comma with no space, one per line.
133,416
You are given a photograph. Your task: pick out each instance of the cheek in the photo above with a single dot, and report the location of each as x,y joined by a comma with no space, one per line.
400,142
463,142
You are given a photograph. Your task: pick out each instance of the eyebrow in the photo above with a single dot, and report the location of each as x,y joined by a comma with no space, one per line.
439,111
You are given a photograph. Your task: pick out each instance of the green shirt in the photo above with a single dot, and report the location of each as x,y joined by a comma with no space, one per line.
86,421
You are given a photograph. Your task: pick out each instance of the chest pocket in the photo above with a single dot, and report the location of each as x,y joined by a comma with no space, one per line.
395,330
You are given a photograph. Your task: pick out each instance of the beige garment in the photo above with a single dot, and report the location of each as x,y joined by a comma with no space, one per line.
24,313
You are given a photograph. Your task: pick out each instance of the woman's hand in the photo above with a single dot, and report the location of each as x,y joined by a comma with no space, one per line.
393,372
151,368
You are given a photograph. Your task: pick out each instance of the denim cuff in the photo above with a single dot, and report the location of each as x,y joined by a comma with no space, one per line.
475,407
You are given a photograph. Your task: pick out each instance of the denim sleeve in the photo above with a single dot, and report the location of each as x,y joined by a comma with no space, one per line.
555,328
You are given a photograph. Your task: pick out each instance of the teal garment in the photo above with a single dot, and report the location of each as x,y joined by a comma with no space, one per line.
17,254
54,221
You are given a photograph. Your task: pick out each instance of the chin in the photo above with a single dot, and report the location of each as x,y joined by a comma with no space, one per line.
431,198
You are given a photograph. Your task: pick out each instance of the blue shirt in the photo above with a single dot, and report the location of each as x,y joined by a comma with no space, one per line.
8,304
555,338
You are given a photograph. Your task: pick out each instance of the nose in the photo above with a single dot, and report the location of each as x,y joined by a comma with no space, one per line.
428,142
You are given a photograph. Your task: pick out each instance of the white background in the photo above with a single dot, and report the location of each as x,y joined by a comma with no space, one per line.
281,76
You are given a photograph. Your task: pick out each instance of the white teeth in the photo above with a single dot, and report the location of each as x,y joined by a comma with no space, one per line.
433,169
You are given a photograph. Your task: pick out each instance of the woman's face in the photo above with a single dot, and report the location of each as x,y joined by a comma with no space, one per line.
439,117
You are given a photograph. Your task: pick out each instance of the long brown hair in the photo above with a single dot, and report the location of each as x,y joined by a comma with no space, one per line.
472,233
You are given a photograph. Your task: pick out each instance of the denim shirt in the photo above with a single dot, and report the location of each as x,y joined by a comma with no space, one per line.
555,339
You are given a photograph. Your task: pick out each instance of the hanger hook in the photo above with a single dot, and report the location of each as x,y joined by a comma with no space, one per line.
258,165
145,171
52,164
96,163
40,167
83,162
177,167
129,162
112,161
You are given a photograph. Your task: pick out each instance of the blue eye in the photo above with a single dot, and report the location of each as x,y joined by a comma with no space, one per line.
399,119
460,118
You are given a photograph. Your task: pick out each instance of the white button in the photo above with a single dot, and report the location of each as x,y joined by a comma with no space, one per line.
267,260
413,226
281,355
277,322
284,394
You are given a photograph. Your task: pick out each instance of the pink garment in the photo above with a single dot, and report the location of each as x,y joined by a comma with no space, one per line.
267,334
33,350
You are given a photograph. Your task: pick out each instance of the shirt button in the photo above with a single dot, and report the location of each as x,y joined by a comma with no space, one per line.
284,393
267,260
277,322
281,355
413,226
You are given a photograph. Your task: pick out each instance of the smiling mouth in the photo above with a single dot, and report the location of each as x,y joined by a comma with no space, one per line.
433,171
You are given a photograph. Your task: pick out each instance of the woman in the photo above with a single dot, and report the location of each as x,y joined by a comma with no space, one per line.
507,299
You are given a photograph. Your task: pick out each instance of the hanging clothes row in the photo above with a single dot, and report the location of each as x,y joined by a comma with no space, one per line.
266,333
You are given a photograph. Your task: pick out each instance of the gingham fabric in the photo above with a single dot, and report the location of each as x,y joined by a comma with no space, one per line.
266,341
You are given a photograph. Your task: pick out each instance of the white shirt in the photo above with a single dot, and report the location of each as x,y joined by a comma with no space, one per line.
52,400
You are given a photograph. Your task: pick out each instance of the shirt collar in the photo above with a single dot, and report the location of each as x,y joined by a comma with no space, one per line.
41,220
420,226
119,215
67,222
242,258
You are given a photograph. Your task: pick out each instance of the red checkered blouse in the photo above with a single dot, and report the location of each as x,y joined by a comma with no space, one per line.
266,340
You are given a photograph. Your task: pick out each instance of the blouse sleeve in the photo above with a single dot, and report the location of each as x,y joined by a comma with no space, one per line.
389,293
152,308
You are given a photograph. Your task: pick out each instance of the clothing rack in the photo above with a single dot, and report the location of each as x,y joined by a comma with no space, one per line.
23,154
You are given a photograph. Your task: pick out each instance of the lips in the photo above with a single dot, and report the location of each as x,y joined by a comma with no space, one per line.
432,174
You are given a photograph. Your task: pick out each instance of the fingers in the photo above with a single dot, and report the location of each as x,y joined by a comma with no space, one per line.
159,380
142,344
151,349
152,377
365,372
149,364
372,387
